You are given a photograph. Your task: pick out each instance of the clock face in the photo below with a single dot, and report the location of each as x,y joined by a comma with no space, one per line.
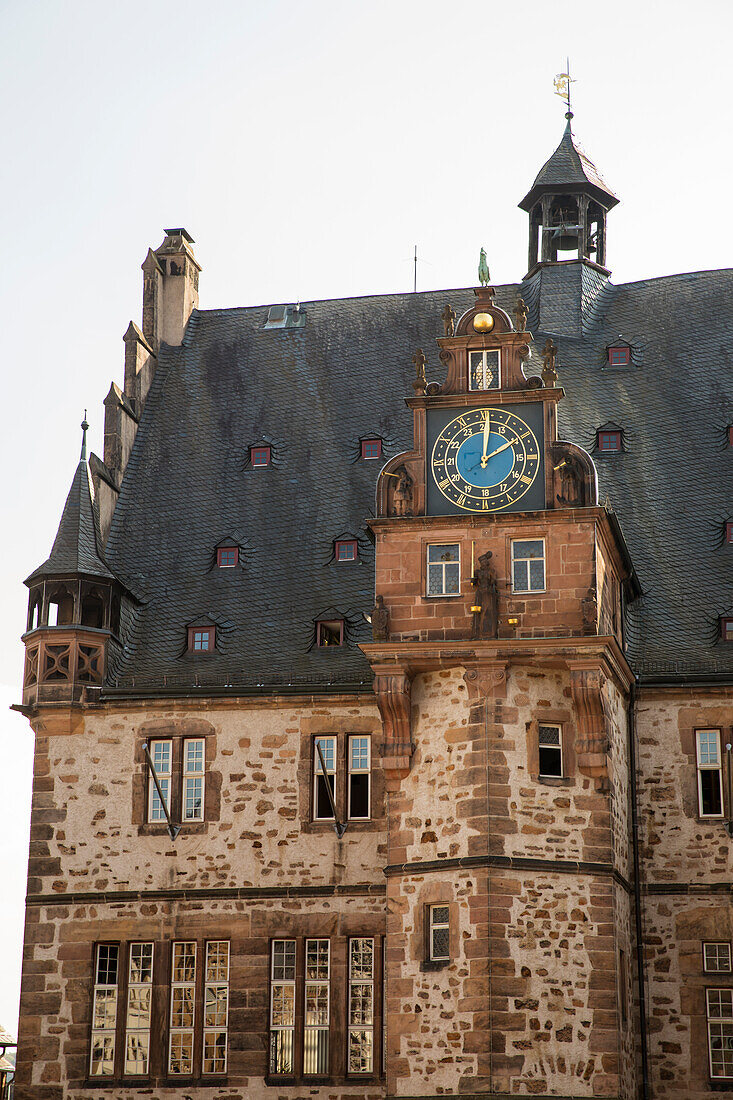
487,460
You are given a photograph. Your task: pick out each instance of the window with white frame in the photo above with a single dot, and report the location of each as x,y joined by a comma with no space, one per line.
484,369
194,755
183,1001
162,756
528,565
317,1007
139,1007
720,1031
104,1010
550,750
322,810
216,1006
438,933
444,570
361,1006
709,773
282,1007
716,958
359,777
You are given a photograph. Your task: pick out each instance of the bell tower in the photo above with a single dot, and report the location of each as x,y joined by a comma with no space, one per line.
567,206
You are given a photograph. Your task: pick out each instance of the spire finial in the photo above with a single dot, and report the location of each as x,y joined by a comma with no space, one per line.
562,87
84,429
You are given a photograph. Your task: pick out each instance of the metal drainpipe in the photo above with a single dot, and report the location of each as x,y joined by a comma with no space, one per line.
645,1088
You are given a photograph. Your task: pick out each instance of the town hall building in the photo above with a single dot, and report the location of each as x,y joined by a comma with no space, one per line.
381,676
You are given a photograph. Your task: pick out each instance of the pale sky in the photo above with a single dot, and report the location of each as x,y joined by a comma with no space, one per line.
307,147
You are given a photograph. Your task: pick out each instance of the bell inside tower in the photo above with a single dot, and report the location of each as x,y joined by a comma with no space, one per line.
567,226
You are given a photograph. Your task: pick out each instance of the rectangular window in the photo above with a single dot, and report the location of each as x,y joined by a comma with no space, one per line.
716,958
361,1006
162,755
720,1031
321,803
444,570
609,442
360,766
193,780
139,1004
550,746
726,628
201,639
371,448
484,370
528,565
260,456
282,1007
216,1006
346,550
329,632
619,357
183,999
104,1010
438,933
317,1006
729,531
227,556
709,773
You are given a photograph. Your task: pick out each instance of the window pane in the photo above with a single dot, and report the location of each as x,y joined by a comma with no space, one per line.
536,576
184,962
283,1005
707,742
527,548
107,958
162,756
194,756
105,1008
440,943
360,1051
359,795
359,747
315,1051
360,961
217,961
103,1056
283,960
323,803
550,761
717,957
710,792
141,962
215,1052
439,914
452,578
444,553
281,1052
215,1006
181,1060
193,795
520,576
182,1006
317,953
136,1053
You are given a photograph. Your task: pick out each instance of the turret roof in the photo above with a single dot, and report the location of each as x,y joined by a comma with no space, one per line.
569,168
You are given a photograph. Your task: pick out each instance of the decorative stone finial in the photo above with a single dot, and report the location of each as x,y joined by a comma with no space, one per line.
380,621
420,383
520,315
449,320
84,429
484,275
549,370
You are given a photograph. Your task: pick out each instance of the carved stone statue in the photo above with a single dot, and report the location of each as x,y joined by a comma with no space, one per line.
520,315
380,621
589,605
449,320
420,383
571,492
486,598
402,497
484,275
549,370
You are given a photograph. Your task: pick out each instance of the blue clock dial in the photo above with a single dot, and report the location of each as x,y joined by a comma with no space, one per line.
485,460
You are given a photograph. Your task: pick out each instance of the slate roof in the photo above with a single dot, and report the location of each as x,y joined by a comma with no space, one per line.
77,546
570,168
312,393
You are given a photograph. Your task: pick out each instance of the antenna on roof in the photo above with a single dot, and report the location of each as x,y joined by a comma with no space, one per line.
414,284
562,84
84,428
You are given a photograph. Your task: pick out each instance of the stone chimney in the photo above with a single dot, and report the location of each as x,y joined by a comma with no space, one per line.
170,289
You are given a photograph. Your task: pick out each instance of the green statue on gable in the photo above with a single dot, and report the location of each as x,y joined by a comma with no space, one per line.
484,276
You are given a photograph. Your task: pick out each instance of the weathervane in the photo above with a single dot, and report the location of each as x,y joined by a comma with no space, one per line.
562,84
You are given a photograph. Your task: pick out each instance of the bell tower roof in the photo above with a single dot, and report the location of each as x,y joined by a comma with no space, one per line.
76,548
571,171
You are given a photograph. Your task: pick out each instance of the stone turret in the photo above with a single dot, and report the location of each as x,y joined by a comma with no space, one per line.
170,289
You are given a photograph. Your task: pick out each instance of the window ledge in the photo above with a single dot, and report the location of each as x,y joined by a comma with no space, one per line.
556,780
160,828
434,964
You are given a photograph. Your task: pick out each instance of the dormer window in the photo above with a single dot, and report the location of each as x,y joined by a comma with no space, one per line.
260,456
726,628
329,632
201,639
619,355
484,369
729,531
346,550
730,435
371,448
227,557
608,442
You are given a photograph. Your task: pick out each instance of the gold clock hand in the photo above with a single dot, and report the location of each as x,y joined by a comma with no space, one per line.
503,447
487,432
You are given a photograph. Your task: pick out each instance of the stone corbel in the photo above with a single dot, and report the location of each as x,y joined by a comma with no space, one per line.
393,688
486,680
593,741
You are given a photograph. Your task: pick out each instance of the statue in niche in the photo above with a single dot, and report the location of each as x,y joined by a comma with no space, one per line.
606,611
402,496
520,315
484,275
486,599
420,383
380,621
448,317
589,605
571,492
549,369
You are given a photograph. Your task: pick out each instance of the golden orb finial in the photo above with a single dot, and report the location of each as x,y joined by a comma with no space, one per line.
483,322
